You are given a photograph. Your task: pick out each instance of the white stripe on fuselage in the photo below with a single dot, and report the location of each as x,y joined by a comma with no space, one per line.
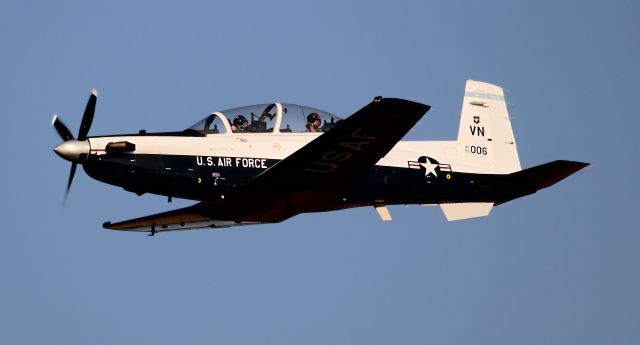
272,146
258,145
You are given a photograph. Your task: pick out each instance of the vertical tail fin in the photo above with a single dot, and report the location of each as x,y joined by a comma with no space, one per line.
485,138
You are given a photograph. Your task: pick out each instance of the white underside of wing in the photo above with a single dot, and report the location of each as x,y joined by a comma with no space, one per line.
190,226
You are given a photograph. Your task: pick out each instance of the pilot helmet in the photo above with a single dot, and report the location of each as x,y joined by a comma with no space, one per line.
240,122
313,120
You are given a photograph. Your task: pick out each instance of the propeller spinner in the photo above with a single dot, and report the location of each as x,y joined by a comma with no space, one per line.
75,150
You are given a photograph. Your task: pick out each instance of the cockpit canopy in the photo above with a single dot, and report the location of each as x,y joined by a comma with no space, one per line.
267,118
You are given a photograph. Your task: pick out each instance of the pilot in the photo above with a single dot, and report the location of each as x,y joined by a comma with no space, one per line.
313,122
240,124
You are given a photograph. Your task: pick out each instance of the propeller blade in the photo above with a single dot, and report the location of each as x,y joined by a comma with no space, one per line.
87,118
65,134
71,174
60,127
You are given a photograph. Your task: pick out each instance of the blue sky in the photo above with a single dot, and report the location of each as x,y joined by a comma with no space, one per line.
557,267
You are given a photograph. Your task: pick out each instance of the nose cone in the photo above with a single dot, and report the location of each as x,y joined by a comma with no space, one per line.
73,150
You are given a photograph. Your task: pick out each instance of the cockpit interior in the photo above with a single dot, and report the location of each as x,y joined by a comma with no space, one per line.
266,118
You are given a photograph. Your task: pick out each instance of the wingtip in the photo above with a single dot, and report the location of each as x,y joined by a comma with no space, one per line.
53,119
409,105
106,225
546,175
94,92
577,166
584,164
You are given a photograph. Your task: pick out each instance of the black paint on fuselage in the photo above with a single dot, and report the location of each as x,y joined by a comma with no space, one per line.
192,177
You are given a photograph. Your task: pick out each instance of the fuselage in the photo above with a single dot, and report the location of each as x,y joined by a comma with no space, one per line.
206,168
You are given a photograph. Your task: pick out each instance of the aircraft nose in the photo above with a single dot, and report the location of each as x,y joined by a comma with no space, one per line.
73,150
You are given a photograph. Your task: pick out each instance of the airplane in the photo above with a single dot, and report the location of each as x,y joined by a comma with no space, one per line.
269,162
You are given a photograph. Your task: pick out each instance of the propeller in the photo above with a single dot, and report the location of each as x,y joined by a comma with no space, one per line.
75,150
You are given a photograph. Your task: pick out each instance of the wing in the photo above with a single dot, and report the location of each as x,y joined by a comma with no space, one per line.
315,177
341,156
188,218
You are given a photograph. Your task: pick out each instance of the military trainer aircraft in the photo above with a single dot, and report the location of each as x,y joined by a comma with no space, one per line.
269,162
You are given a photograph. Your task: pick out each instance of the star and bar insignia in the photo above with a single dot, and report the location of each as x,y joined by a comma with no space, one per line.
429,165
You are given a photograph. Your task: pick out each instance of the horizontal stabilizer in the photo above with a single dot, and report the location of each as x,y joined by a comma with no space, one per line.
531,180
466,210
546,175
